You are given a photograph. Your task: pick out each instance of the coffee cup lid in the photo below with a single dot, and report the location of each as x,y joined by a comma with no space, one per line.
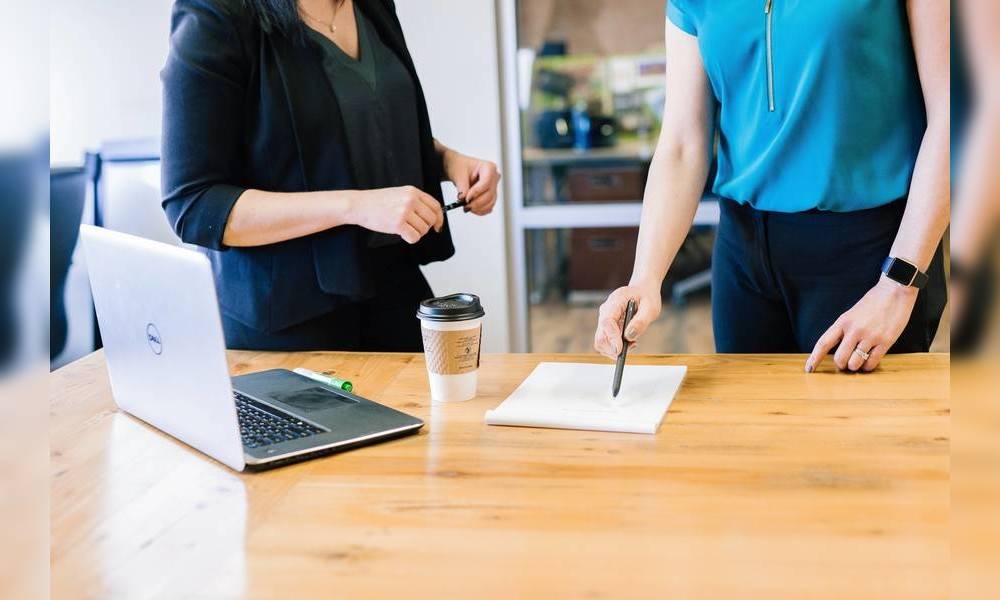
457,307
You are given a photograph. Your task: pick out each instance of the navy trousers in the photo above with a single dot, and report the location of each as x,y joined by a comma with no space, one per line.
780,280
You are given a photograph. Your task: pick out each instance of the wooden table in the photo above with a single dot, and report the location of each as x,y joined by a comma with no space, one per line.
762,481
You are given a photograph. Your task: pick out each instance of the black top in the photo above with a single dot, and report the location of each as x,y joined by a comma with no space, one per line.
248,107
379,107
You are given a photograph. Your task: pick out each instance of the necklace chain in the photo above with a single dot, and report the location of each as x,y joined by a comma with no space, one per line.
331,25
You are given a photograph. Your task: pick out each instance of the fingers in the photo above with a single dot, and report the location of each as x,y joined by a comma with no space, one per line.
603,343
412,216
845,357
462,181
421,226
846,349
486,178
482,196
857,359
410,234
645,314
611,316
875,356
823,346
608,339
416,215
412,211
426,215
600,341
483,205
436,214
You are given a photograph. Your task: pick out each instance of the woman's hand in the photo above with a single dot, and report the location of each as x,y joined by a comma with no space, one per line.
872,326
476,180
608,338
405,211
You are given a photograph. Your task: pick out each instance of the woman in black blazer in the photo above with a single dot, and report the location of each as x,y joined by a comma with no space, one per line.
297,152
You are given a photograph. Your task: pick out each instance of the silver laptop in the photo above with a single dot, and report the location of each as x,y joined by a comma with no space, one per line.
163,341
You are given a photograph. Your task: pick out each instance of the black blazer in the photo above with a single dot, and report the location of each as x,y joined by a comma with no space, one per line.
248,107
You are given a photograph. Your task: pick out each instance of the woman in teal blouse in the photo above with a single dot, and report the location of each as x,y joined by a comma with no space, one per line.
833,169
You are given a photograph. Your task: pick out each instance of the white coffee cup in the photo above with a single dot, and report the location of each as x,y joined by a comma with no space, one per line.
452,330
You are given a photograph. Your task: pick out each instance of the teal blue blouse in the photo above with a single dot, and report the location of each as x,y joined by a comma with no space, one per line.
819,101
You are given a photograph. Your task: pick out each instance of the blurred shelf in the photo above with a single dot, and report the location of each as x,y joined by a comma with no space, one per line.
578,215
626,151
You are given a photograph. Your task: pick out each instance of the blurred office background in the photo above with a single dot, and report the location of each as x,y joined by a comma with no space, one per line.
566,95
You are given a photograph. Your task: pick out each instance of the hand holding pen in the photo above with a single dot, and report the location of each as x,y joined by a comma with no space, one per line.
476,180
610,322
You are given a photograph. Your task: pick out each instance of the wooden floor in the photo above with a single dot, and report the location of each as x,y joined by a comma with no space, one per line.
560,327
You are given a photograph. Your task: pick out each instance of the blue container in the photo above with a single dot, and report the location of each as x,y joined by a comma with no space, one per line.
581,127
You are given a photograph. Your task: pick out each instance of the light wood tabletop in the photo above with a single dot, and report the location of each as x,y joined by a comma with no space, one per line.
762,482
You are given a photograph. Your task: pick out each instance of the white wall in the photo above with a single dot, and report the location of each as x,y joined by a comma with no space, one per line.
106,56
24,116
454,44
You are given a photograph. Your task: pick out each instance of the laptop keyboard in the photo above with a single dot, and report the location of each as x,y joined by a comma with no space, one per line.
262,425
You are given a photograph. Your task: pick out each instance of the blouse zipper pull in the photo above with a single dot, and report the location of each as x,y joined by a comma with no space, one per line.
768,6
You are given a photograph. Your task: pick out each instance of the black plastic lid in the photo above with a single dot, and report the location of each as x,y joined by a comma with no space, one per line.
457,307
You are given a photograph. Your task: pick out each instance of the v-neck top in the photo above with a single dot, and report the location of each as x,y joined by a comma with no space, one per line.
819,103
378,104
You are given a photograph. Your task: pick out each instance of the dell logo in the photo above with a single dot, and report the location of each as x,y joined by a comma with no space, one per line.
153,339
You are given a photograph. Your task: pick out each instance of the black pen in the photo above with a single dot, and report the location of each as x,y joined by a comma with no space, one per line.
616,385
453,206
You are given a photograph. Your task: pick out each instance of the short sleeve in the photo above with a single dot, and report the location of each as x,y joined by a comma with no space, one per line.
680,18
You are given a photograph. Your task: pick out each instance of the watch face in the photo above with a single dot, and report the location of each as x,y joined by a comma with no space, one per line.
901,271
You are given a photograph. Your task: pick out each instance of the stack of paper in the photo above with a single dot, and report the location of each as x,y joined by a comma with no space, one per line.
578,396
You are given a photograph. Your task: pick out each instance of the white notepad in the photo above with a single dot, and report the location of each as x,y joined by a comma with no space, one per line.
578,396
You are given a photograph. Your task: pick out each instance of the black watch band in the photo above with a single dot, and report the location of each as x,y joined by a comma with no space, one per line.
904,273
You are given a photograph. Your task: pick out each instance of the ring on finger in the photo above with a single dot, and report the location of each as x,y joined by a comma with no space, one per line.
865,355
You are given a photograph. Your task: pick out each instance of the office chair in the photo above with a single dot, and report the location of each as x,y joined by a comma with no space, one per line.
128,192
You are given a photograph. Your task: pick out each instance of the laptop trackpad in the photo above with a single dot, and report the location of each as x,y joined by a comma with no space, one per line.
310,399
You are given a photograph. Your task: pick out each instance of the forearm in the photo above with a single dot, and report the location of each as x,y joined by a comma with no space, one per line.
929,202
444,153
676,181
927,208
260,218
440,148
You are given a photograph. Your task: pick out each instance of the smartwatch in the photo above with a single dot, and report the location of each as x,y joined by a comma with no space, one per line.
904,273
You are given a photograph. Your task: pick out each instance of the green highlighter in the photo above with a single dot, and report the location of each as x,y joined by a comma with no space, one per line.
340,384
